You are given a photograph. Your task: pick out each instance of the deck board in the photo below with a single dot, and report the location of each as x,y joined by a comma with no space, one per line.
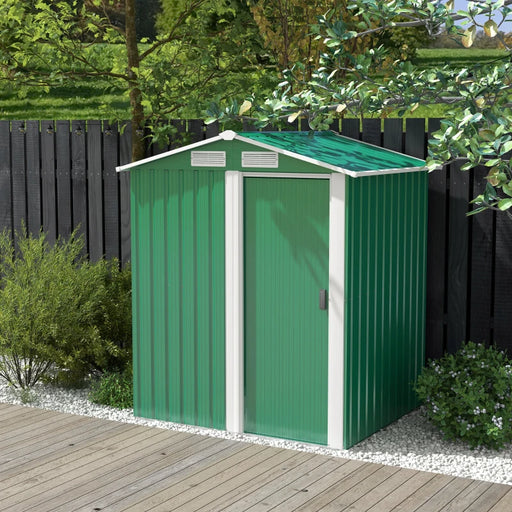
59,462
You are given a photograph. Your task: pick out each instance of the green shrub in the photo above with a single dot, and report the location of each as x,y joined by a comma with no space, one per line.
468,395
113,389
114,318
51,300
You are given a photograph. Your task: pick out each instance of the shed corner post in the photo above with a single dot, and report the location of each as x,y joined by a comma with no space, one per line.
336,328
234,273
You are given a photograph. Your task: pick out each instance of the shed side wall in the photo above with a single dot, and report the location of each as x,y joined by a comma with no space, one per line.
178,295
385,299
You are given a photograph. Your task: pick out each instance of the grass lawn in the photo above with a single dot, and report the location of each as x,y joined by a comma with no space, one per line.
83,101
459,57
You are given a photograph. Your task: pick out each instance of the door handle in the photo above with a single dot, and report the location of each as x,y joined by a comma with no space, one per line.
322,302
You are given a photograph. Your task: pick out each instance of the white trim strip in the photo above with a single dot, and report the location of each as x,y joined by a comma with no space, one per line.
380,172
336,343
234,275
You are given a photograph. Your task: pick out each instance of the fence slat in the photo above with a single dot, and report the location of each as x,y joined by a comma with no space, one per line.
458,235
5,177
110,191
195,129
393,134
503,283
33,153
95,190
19,191
212,130
78,179
481,273
63,162
48,190
125,145
350,128
181,126
415,138
372,131
435,334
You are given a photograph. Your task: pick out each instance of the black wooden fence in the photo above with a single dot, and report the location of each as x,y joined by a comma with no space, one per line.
61,175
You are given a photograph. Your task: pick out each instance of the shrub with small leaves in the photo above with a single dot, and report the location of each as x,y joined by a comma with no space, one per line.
468,395
113,389
61,316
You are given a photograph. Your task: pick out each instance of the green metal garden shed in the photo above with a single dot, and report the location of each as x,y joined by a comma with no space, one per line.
278,285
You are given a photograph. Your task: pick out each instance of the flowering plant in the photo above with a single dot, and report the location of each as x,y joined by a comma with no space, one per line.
468,395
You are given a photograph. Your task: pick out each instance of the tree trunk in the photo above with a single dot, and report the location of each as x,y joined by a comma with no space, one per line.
137,120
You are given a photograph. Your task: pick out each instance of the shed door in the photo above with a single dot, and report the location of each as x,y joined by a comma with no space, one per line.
286,252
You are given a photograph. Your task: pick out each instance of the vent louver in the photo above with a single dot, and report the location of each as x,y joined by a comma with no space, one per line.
208,158
264,159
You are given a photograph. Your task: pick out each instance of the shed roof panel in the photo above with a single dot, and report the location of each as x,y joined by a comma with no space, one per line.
331,148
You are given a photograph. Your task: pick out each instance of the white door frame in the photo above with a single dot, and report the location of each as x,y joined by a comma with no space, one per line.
234,289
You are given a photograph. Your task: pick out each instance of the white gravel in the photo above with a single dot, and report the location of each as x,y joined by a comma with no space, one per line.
411,442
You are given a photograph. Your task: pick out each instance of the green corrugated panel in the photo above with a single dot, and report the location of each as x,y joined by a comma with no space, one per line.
330,148
385,299
178,259
286,248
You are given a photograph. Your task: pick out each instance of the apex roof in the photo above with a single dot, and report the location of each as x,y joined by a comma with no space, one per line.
325,149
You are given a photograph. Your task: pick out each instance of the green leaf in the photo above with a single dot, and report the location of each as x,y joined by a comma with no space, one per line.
294,116
507,188
506,147
505,204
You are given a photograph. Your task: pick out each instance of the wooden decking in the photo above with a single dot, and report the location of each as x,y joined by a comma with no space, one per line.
59,462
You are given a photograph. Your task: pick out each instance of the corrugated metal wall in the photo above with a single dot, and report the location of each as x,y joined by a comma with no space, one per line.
385,299
178,295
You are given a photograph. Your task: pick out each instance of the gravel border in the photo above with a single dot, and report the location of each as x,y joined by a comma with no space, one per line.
411,442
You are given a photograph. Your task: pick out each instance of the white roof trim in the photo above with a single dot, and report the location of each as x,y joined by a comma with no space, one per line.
231,135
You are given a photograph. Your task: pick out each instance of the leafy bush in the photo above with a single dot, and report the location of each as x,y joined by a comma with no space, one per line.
113,318
114,389
468,395
56,311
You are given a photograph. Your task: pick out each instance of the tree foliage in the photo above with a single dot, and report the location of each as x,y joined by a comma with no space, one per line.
44,43
479,126
229,40
285,26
